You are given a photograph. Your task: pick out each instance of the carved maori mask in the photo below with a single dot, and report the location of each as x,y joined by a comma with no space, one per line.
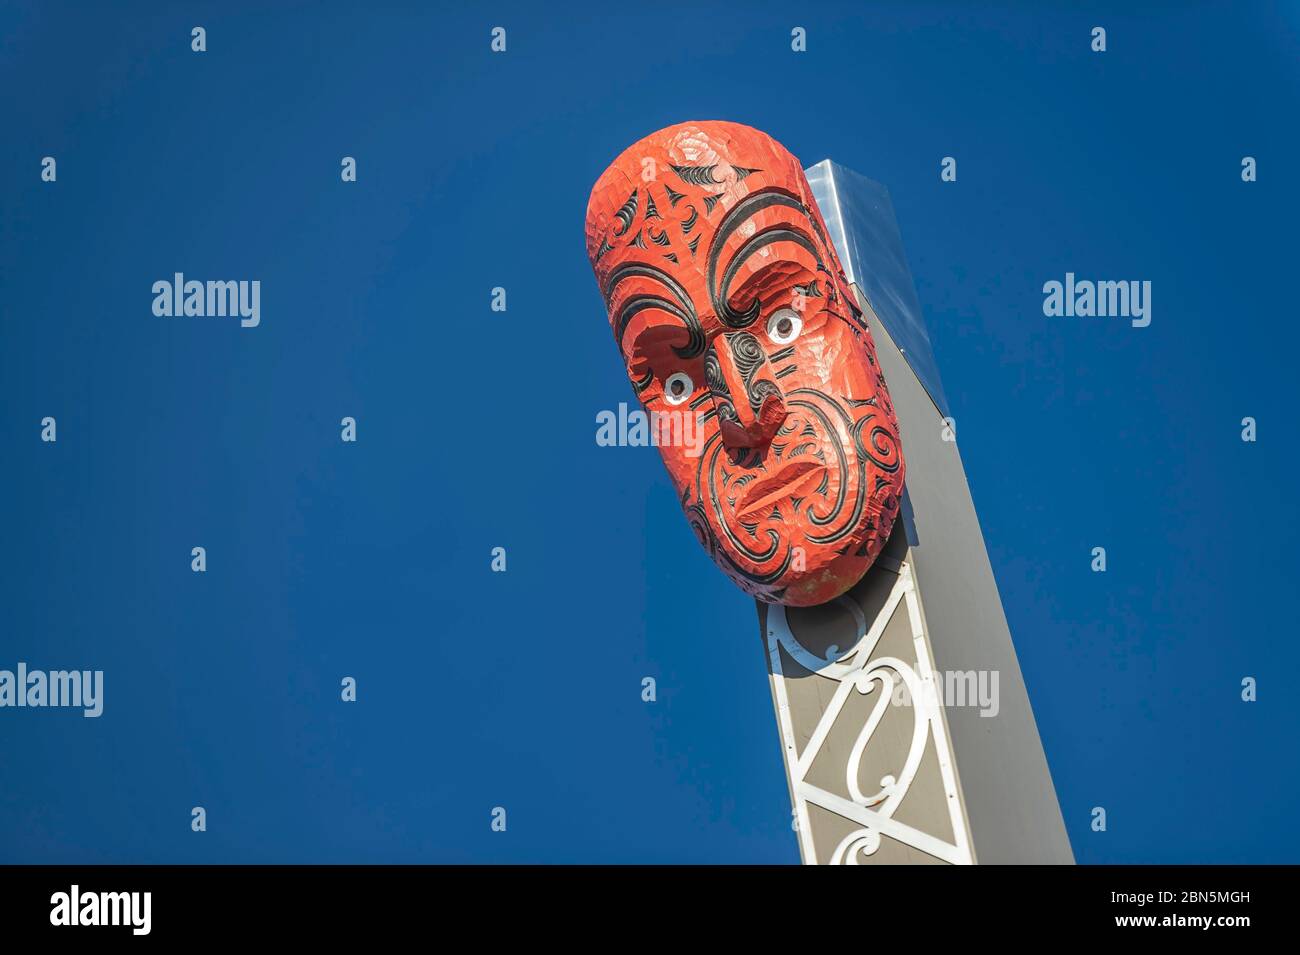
729,305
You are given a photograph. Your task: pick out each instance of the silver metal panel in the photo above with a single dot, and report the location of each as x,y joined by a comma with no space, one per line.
860,218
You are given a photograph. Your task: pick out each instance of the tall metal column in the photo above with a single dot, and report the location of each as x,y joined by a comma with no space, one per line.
904,720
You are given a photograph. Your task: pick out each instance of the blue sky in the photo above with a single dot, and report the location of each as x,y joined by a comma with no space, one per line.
476,429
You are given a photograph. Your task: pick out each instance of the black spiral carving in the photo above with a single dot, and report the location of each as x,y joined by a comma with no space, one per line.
760,391
880,447
749,358
708,460
717,386
699,523
747,352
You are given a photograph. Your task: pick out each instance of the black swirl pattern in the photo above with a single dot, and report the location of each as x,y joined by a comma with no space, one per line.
742,211
697,175
880,447
717,387
625,214
691,219
683,308
844,514
749,358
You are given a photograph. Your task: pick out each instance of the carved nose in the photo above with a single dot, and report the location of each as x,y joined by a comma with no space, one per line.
745,394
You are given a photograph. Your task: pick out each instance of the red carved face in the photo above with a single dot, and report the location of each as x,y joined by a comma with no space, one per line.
731,308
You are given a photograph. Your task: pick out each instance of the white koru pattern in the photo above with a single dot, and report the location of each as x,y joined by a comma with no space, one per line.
857,669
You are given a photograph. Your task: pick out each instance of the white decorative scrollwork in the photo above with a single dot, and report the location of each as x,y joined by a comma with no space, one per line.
856,670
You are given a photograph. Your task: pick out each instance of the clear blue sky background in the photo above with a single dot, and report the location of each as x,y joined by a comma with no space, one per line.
476,429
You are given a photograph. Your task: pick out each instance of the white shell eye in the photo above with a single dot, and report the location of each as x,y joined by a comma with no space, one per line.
678,387
783,326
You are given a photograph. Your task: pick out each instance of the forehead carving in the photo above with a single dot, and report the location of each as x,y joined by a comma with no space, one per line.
687,221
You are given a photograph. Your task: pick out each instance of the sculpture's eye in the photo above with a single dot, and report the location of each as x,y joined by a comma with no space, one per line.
783,326
678,388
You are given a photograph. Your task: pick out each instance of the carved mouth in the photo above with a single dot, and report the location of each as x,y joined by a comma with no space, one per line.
796,478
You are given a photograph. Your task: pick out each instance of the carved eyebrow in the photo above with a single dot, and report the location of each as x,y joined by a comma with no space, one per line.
742,211
640,303
785,232
683,308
